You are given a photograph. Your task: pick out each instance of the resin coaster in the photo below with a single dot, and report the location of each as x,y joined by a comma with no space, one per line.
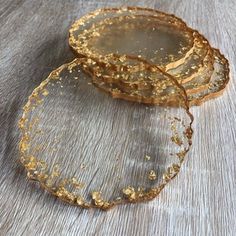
94,151
197,92
135,37
198,63
86,36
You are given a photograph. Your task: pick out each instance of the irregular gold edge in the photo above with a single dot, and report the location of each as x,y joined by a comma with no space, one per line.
201,87
196,40
142,99
210,62
200,69
147,196
213,95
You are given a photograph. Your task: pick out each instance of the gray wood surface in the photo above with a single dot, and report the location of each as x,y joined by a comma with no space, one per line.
200,201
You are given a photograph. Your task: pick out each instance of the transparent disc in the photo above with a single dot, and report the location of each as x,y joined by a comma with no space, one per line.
142,37
94,151
104,21
194,57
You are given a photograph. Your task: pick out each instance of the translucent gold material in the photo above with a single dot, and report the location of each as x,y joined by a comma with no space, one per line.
147,81
121,169
79,34
144,77
197,63
137,37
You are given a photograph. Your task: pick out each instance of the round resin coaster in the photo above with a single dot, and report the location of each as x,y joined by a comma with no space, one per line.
161,44
94,151
146,38
158,38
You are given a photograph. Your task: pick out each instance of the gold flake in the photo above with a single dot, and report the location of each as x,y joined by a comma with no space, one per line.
45,92
152,175
129,192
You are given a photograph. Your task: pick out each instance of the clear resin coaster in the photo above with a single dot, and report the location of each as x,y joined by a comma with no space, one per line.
89,28
94,151
145,38
89,21
200,60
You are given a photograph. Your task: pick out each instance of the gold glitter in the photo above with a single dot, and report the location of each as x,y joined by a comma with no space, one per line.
45,92
129,192
152,175
98,201
82,166
176,139
147,157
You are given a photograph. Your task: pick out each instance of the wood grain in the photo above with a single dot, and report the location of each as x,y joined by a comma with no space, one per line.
200,201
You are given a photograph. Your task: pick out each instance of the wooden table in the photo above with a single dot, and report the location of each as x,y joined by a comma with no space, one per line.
200,201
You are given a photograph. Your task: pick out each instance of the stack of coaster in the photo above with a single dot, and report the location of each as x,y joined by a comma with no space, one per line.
136,54
132,51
